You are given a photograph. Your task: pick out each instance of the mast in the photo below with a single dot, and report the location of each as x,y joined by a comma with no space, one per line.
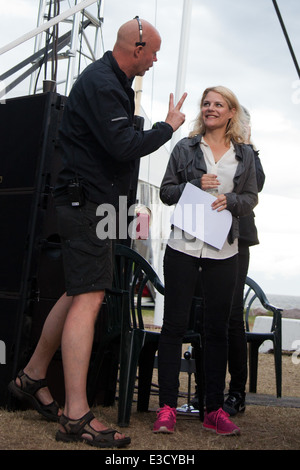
182,58
179,90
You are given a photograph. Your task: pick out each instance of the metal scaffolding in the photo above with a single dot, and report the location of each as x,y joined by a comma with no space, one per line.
67,37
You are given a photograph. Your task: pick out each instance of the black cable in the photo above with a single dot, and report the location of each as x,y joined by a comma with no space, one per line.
101,24
48,38
81,38
43,62
55,40
286,37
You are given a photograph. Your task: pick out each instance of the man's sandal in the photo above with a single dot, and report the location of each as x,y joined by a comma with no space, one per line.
26,392
76,429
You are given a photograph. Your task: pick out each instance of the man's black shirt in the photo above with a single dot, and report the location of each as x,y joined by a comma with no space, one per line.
99,144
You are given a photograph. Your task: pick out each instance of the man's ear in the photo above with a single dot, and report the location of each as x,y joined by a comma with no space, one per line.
137,51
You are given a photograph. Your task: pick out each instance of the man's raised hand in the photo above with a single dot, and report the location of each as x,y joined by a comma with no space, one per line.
175,117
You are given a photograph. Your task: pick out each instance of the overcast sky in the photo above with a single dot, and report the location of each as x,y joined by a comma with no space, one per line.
239,44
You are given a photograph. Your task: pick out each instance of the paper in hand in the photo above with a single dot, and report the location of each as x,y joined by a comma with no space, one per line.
194,215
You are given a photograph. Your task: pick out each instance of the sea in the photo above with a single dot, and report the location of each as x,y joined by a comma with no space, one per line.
289,303
286,302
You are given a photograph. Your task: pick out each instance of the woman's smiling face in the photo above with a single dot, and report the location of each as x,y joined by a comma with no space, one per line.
215,111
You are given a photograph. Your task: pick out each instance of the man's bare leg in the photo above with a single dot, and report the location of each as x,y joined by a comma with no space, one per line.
48,344
77,341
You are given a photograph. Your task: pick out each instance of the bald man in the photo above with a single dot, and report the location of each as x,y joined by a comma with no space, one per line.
100,147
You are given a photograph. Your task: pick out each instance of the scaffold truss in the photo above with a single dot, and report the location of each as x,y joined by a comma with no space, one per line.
68,36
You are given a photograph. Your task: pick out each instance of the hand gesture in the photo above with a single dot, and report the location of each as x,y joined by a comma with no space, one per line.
175,117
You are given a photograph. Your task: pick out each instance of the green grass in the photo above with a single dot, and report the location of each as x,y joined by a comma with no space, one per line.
148,316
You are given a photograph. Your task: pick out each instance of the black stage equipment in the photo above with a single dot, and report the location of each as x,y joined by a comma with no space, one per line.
31,276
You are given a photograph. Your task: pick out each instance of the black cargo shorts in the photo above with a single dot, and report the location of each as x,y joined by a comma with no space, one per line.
87,260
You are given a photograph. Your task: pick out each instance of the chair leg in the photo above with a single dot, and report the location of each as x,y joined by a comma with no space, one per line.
131,346
146,363
278,366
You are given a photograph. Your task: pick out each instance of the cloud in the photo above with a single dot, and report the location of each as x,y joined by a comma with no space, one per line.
270,120
18,12
278,214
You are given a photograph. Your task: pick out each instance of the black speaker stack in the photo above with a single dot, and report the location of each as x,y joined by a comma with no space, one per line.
31,274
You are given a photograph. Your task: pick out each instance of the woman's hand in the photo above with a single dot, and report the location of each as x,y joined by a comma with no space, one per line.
209,181
220,203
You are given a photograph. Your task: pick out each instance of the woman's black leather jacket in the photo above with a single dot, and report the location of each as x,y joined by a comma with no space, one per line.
187,164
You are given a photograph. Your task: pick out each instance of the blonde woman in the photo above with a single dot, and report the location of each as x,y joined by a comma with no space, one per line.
214,158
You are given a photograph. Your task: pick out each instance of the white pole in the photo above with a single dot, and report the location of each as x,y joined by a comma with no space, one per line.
182,59
183,48
47,25
138,89
180,85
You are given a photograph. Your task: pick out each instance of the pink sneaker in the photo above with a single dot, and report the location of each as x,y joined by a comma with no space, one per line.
166,420
219,422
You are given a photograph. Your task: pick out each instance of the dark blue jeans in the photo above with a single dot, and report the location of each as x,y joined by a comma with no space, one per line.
181,273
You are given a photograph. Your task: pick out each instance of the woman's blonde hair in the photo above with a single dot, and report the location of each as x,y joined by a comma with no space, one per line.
235,129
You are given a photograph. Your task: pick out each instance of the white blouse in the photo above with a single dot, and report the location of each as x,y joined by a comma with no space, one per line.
225,170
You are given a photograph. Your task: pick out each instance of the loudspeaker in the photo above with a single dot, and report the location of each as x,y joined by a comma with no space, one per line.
31,275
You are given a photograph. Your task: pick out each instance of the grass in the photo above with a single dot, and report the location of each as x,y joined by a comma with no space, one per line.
262,427
148,316
271,427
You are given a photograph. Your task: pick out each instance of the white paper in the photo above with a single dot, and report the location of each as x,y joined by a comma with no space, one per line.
194,215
